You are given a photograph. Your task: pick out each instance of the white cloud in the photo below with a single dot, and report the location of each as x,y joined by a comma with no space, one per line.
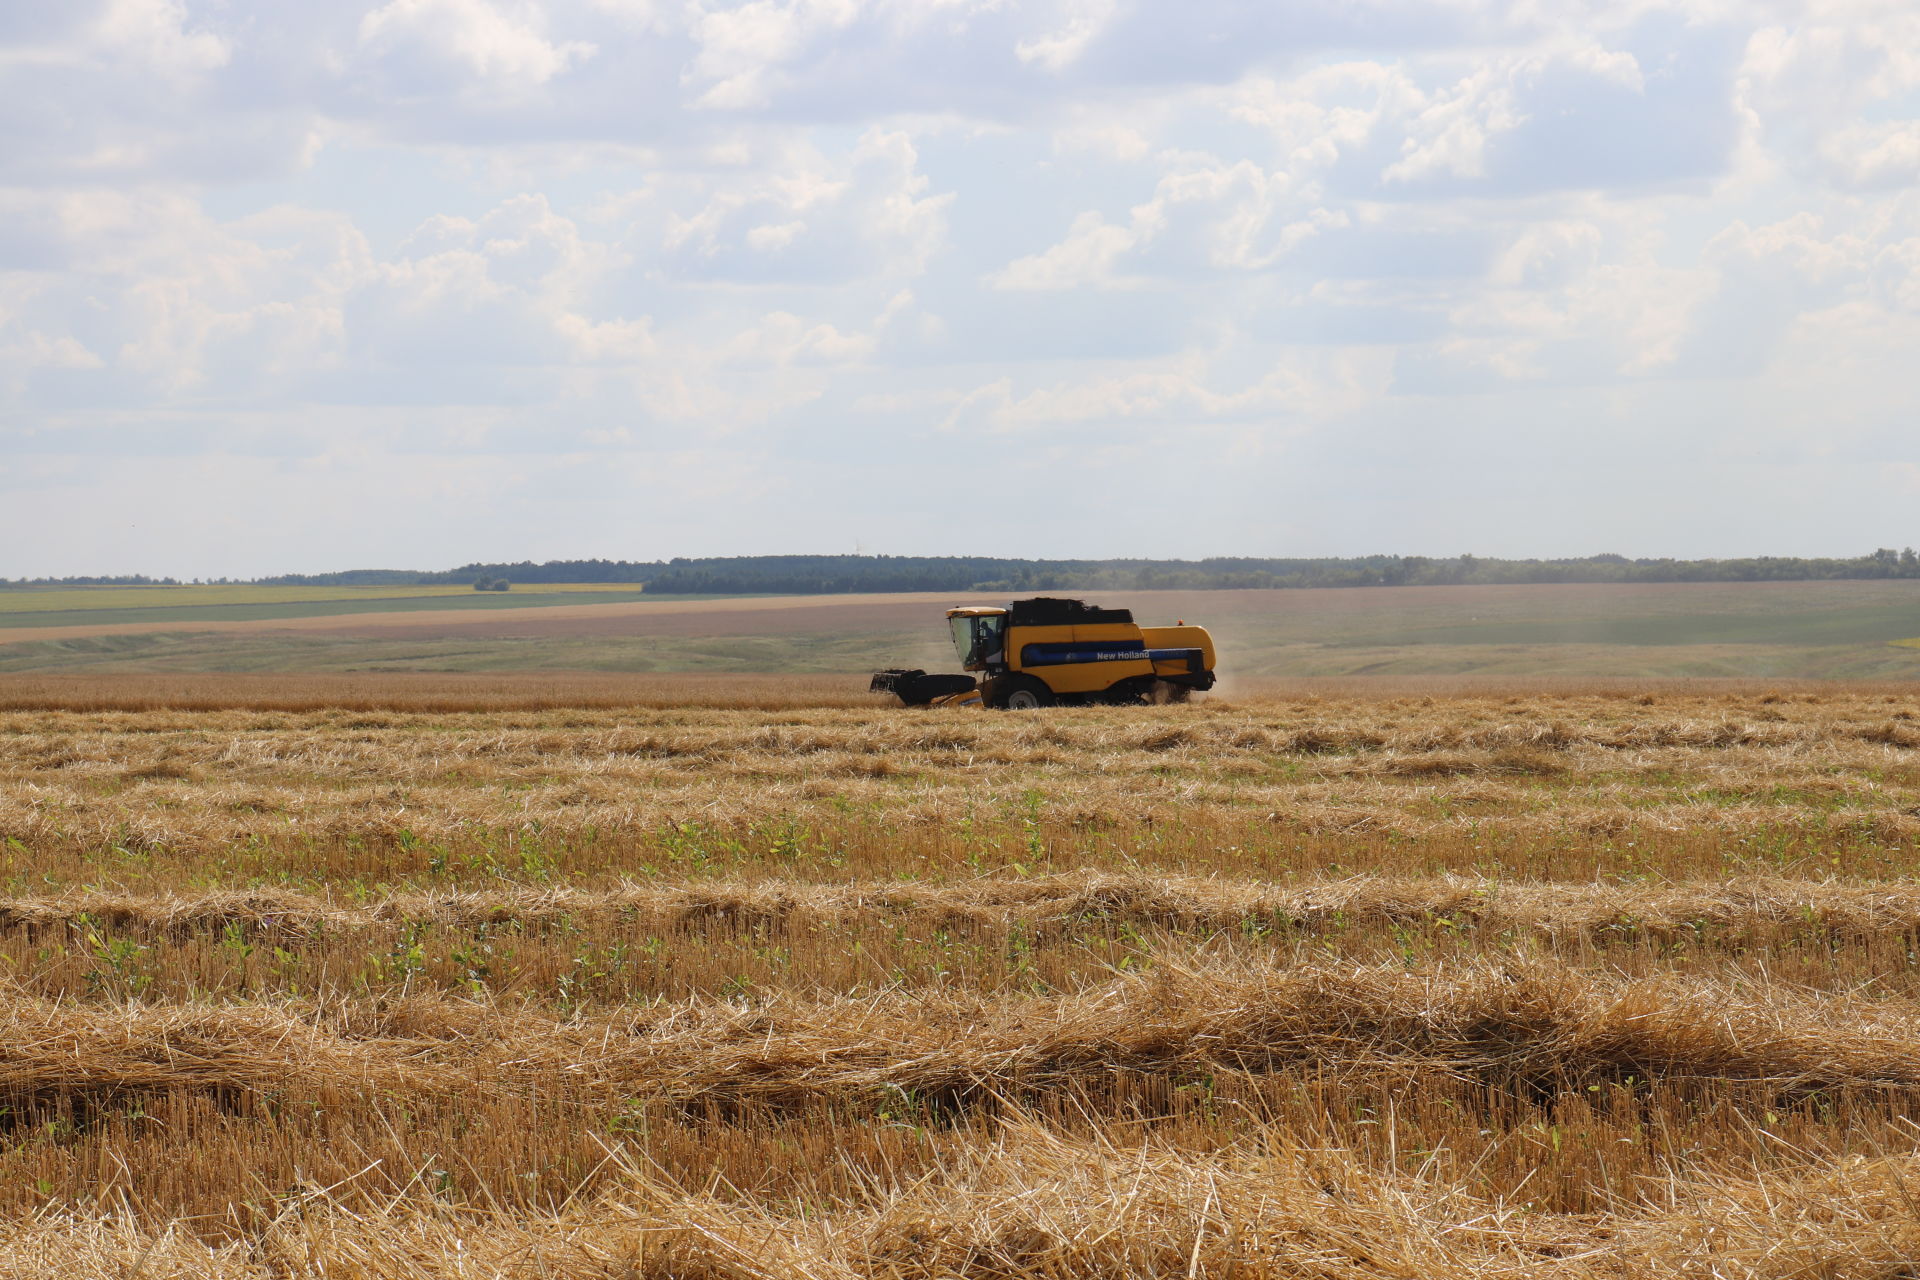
795,214
742,47
1896,276
1815,83
1204,213
1116,142
774,236
156,34
1058,49
1086,257
1797,246
1194,389
128,91
1548,254
480,39
1877,156
25,353
1449,136
783,339
1601,323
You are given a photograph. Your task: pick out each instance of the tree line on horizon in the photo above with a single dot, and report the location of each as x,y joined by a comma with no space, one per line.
845,574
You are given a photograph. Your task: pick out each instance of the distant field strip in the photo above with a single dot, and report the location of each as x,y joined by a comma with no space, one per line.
1815,626
173,615
17,600
1770,631
553,613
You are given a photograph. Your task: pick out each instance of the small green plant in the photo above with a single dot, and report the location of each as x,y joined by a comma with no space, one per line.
120,969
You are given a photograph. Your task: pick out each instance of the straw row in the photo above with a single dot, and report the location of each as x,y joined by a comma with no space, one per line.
1535,1027
1039,904
1034,1203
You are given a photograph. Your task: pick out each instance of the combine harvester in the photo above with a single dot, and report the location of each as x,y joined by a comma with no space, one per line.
1043,652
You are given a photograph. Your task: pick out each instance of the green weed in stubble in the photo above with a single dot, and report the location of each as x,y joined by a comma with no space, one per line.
121,967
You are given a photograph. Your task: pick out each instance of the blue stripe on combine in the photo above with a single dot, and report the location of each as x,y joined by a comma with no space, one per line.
1055,654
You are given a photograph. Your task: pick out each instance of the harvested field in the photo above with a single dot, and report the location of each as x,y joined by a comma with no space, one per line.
624,976
425,693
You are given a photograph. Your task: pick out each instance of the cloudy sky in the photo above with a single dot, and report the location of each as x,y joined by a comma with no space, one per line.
298,286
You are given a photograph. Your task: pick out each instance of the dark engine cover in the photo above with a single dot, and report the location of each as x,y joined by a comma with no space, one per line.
1051,611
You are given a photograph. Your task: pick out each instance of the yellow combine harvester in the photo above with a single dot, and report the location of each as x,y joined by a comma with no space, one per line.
1044,651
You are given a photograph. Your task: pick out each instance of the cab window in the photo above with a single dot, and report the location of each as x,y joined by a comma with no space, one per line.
977,639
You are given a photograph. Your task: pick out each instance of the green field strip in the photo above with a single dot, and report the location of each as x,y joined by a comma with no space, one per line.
19,600
161,614
79,599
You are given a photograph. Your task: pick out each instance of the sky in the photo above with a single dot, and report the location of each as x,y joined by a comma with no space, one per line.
290,287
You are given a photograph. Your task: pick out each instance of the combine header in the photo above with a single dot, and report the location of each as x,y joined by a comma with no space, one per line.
1044,651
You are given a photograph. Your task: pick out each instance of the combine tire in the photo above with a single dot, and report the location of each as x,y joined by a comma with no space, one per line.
1021,693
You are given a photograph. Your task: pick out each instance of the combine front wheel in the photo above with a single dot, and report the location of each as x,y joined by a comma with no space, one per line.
1022,693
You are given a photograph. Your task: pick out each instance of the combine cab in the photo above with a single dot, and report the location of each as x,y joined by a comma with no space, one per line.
1044,651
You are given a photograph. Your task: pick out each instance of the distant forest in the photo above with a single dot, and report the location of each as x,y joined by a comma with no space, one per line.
832,575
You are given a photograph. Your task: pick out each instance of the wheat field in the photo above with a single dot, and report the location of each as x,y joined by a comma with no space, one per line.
735,977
